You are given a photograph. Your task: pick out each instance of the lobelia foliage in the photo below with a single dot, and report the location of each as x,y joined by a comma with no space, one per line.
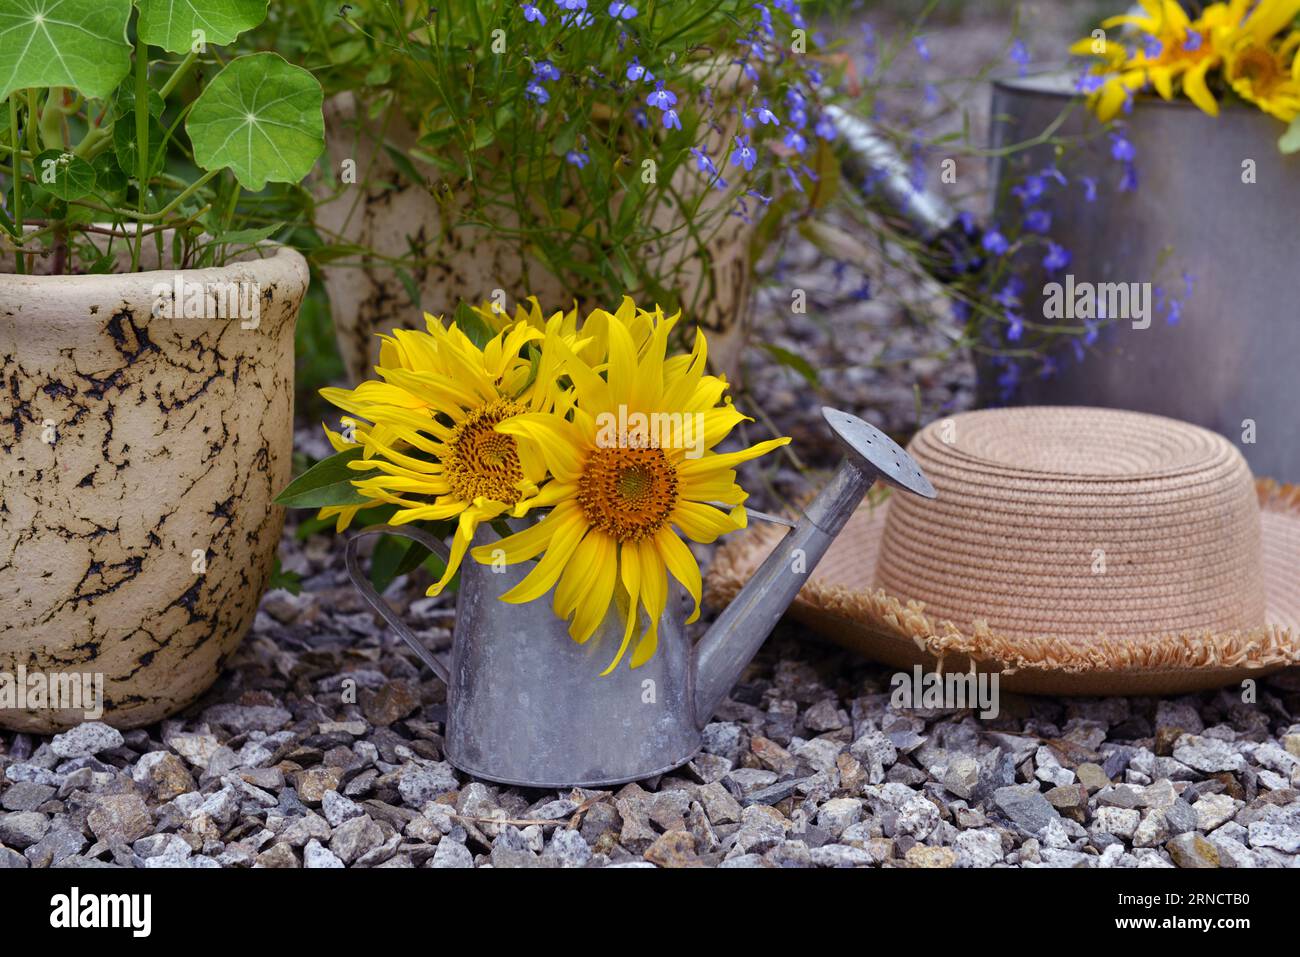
85,166
559,125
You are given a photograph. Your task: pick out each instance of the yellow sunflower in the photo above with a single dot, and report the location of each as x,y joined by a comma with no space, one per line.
619,494
429,427
1265,72
1173,48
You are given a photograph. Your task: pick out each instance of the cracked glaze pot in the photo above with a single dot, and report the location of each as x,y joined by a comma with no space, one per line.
134,451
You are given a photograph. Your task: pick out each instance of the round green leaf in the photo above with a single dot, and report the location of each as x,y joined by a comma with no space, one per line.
76,43
109,178
126,147
261,118
182,26
64,175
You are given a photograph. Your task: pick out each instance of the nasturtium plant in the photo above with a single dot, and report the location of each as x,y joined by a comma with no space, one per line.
53,43
261,118
178,26
122,120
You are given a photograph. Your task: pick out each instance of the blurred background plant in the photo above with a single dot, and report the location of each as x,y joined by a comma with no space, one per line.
536,137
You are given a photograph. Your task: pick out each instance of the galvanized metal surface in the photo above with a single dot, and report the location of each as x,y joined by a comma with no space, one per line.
527,704
1232,358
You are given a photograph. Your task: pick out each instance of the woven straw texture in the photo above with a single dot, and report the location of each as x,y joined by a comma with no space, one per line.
1076,551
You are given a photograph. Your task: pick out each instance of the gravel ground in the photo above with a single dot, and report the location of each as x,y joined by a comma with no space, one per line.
807,765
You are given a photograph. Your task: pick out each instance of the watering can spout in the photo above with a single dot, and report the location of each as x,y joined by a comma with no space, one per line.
744,625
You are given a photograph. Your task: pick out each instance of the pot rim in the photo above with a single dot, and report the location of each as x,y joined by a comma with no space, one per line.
285,268
1032,85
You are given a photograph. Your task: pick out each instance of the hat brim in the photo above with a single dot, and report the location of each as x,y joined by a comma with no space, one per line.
839,603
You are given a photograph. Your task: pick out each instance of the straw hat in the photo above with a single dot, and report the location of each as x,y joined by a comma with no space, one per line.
1074,550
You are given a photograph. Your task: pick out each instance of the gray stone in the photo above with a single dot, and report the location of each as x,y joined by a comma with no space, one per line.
26,796
1180,818
1213,810
316,856
962,777
11,859
1025,807
876,753
355,837
837,814
451,854
1281,837
567,848
840,855
1207,754
86,739
22,829
1122,822
418,785
336,808
978,848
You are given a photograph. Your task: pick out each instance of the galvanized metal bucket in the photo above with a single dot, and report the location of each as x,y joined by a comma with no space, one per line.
527,704
1231,359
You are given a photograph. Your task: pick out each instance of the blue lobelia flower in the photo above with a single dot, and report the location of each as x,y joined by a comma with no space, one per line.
534,15
545,70
765,116
994,242
744,154
661,98
622,11
1057,258
536,92
1089,188
1020,56
796,141
577,159
1038,221
1121,150
671,120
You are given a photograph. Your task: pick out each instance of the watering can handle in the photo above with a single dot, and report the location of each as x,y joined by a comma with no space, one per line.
376,601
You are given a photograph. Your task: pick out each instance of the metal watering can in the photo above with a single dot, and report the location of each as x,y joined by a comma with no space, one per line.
525,703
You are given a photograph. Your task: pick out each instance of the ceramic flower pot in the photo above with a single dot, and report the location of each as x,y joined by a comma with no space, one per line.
388,215
1228,361
147,427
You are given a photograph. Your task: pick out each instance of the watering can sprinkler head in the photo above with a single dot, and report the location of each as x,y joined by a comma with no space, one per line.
873,451
744,625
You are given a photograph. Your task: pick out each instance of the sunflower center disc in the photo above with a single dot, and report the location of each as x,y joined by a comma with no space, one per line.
484,462
628,493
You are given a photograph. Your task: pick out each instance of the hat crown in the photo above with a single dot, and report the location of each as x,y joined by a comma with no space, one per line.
1073,521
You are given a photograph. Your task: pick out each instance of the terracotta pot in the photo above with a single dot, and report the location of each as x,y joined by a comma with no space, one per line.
139,456
388,215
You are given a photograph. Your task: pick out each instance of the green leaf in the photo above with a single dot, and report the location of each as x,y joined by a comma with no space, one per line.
1290,141
126,147
247,237
65,175
793,361
109,178
280,578
76,43
180,26
261,118
328,482
124,100
471,323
